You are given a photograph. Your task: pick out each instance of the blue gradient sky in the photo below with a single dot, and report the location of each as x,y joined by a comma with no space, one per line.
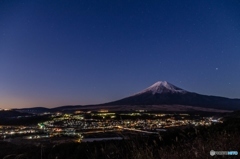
55,53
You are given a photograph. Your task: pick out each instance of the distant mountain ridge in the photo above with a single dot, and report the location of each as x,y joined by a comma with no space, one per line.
160,93
43,109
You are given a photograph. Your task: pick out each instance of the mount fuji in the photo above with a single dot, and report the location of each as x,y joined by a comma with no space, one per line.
161,96
165,93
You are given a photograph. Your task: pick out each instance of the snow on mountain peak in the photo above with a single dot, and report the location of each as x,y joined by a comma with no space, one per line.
163,87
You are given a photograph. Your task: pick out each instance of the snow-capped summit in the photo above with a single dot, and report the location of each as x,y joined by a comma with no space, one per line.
162,87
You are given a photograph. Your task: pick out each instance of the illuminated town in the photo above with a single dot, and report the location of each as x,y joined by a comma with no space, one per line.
82,126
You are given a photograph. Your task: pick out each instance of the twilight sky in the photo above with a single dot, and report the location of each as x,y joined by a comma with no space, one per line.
61,52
